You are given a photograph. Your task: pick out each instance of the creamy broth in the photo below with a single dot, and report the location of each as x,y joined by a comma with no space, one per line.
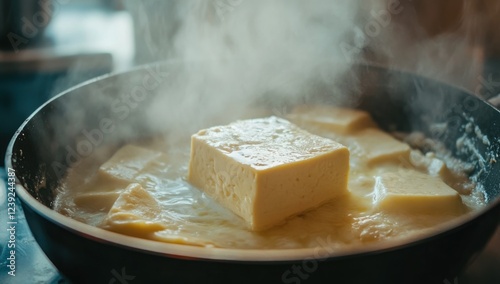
177,212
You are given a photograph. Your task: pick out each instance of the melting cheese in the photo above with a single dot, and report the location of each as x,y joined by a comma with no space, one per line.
329,118
135,212
376,146
266,170
143,190
412,192
126,163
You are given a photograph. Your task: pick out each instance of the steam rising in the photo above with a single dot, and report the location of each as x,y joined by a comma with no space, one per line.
231,54
414,39
236,52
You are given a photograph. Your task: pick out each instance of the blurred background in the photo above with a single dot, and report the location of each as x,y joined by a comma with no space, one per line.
47,46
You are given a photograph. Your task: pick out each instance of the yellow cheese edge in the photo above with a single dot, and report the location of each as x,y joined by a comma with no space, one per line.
245,200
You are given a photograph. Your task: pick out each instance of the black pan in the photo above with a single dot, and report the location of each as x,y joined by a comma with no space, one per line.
397,100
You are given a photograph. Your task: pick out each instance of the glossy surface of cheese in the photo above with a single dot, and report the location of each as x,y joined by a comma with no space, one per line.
339,120
412,192
376,146
126,164
266,170
135,212
99,201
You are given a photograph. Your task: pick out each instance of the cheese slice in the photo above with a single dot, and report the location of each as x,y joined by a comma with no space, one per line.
375,146
412,192
339,120
135,212
96,201
266,170
125,165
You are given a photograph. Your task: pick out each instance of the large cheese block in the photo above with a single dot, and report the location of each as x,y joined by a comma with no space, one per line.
330,118
267,169
412,192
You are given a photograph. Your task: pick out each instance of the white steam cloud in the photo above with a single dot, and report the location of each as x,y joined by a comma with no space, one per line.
237,51
229,54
